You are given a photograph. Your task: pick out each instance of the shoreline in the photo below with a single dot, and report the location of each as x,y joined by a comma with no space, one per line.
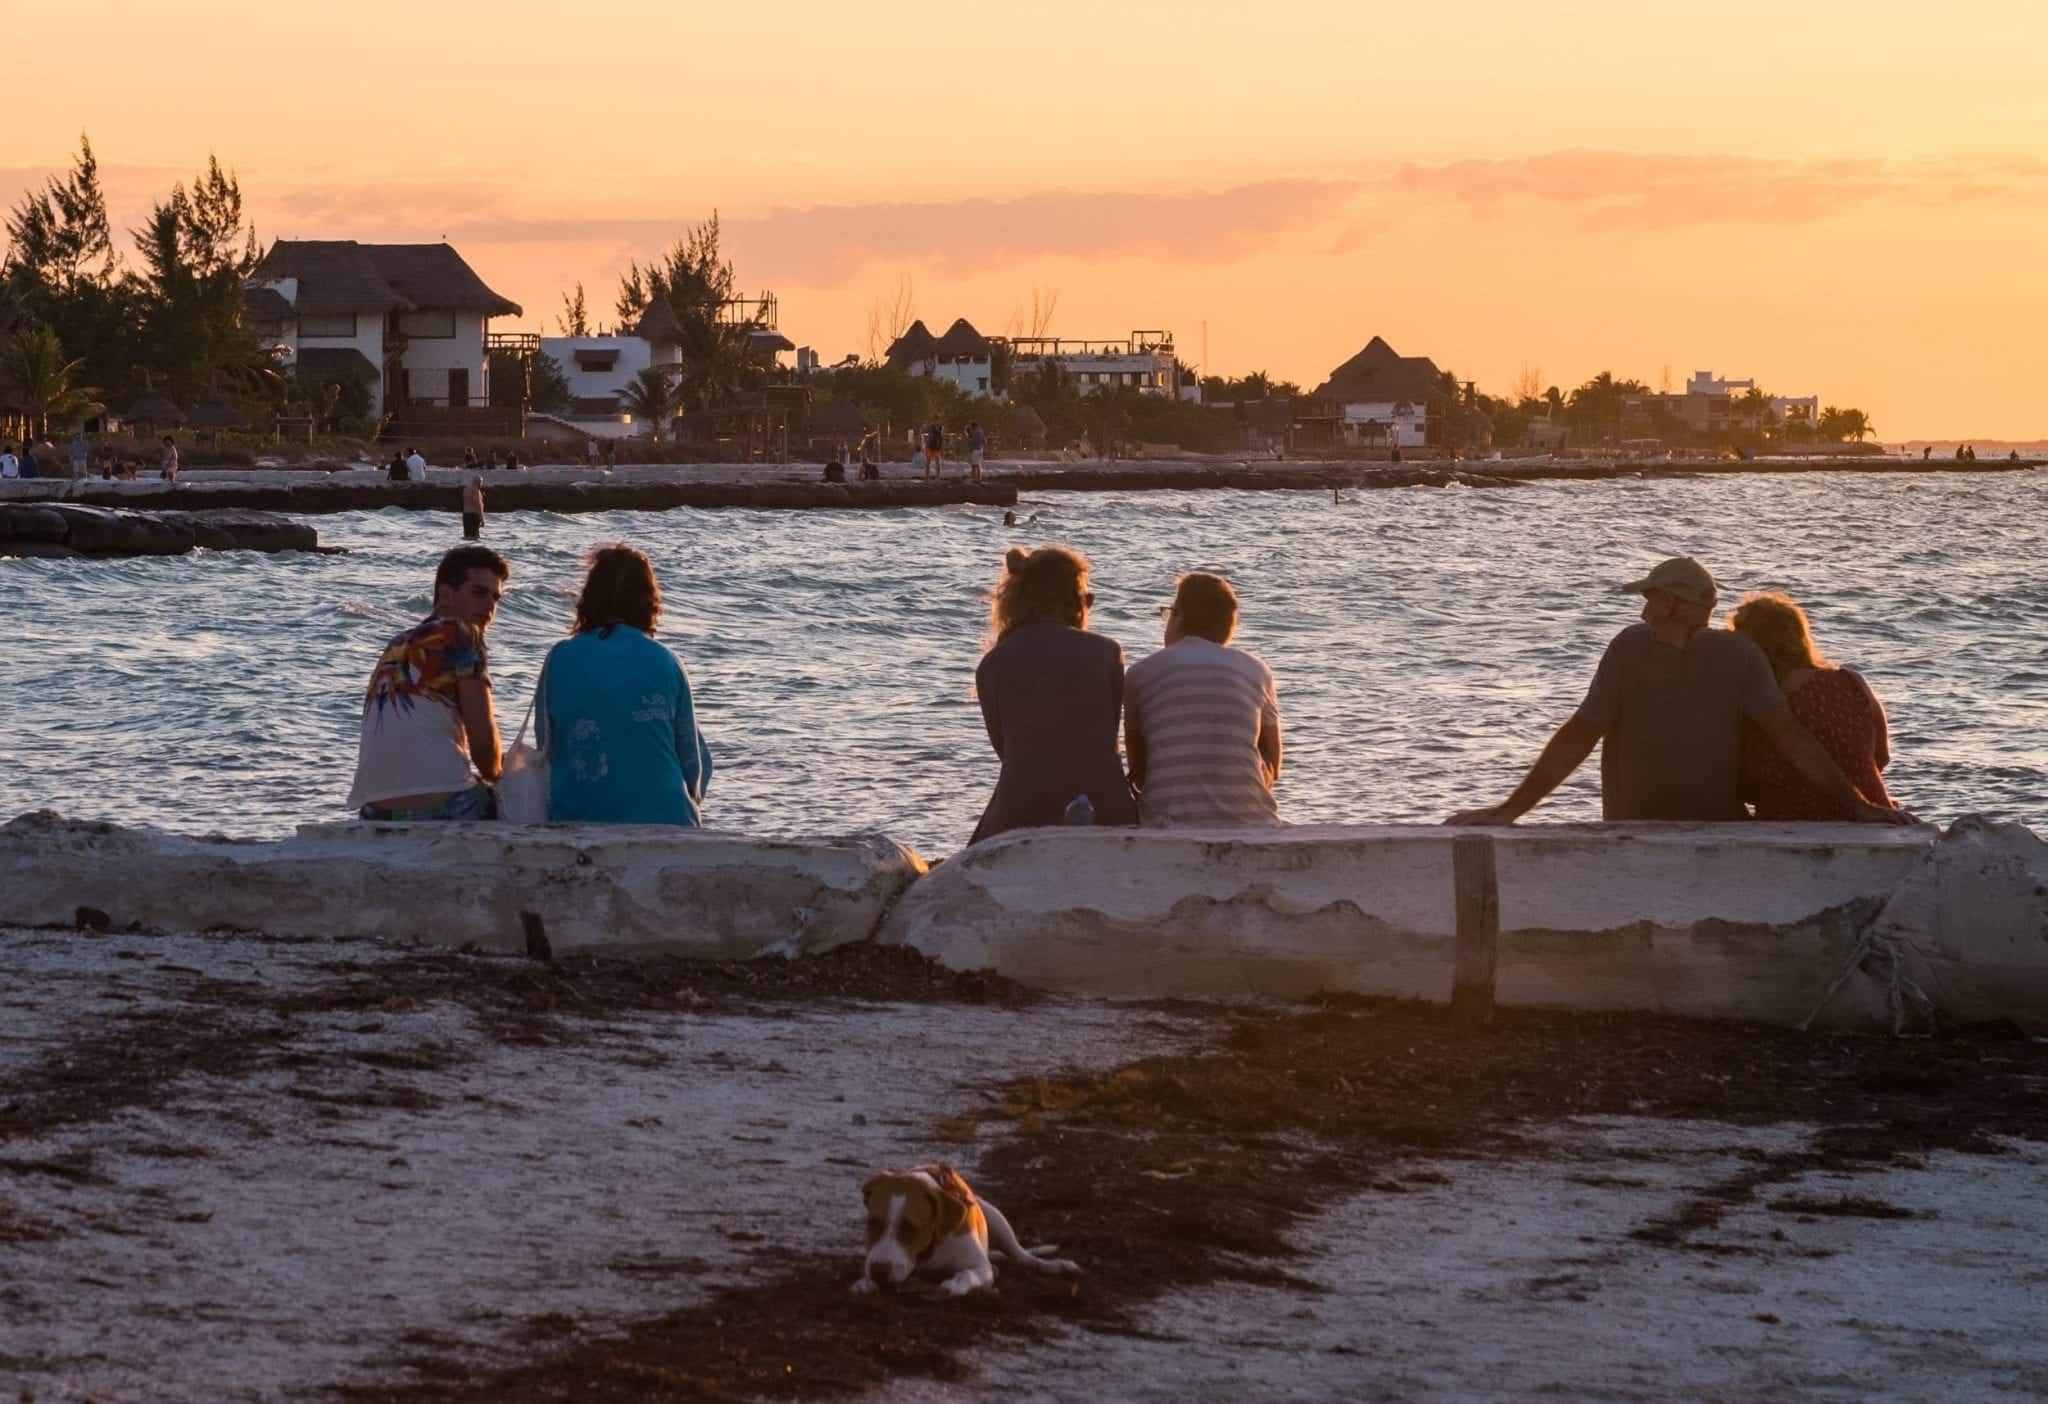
785,487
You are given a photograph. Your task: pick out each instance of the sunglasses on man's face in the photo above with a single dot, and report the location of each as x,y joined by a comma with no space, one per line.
1168,611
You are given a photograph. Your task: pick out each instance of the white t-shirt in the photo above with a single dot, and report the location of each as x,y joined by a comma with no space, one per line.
412,739
10,466
416,468
1200,707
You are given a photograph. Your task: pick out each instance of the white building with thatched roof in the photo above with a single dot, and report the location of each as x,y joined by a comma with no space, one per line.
407,322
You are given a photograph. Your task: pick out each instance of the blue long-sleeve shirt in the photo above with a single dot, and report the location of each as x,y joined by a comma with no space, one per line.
620,732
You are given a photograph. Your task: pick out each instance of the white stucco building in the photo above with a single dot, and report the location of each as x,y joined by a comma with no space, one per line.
963,356
1783,407
1143,361
406,322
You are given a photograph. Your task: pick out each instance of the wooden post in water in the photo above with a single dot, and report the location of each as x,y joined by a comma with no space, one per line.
1478,939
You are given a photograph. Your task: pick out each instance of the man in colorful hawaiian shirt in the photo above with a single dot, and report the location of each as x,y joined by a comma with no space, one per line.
427,714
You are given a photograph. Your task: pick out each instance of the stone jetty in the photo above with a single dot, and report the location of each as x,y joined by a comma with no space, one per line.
70,529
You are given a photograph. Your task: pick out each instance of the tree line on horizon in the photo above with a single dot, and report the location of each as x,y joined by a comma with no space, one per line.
81,327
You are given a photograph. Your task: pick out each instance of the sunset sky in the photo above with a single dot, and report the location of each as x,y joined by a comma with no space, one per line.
1840,197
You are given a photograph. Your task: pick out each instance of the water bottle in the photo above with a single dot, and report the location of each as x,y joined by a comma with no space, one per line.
1079,811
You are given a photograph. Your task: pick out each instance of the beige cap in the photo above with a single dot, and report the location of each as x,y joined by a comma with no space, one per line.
1681,577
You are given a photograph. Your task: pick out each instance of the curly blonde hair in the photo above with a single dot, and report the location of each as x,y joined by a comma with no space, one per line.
1050,583
1779,628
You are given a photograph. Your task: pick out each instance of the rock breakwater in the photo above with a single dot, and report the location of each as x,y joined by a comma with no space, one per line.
71,529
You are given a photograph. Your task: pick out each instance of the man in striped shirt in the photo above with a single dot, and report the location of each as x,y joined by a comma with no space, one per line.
1201,719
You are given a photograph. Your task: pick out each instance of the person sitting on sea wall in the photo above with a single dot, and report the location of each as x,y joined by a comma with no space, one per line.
1835,704
1666,708
1051,696
615,714
10,466
415,466
427,713
1202,719
396,470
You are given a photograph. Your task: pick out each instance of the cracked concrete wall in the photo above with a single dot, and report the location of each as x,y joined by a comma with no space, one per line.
707,895
1745,921
1741,920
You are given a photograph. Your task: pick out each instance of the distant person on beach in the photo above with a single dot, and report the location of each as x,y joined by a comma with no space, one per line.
870,471
1202,719
170,459
1051,697
590,452
81,457
10,466
1667,708
1835,704
469,459
1927,453
611,453
511,458
427,714
473,509
395,471
977,445
415,466
934,448
29,467
614,711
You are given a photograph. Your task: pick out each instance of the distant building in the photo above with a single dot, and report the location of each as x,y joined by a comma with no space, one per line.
963,356
1383,397
1709,406
599,368
407,322
1144,361
1783,407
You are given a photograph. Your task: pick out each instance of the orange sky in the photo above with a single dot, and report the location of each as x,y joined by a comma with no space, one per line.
1846,199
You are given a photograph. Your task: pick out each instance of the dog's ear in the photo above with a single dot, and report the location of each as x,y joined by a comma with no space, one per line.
951,1185
868,1188
955,1202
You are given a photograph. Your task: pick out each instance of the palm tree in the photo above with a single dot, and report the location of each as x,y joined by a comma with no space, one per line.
34,360
1856,424
652,396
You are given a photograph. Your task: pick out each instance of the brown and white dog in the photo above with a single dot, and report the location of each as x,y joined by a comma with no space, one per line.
927,1220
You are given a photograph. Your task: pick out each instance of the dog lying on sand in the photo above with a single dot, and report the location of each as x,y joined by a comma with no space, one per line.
929,1221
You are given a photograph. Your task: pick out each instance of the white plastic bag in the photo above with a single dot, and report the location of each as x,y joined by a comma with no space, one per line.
523,783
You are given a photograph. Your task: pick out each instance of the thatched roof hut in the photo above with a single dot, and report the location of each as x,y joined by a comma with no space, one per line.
962,340
916,344
658,325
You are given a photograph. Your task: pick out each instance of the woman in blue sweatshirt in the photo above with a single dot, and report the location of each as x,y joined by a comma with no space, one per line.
616,721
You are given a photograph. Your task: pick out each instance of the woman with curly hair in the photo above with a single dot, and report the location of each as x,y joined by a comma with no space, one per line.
1052,697
1835,704
615,716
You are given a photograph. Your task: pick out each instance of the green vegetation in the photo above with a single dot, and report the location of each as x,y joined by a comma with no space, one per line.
173,323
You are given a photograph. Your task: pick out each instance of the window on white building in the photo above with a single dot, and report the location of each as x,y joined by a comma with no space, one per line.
428,325
343,326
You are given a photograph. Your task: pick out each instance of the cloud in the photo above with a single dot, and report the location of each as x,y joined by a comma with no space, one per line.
1610,190
830,245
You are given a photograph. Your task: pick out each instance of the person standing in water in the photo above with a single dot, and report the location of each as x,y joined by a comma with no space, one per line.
473,508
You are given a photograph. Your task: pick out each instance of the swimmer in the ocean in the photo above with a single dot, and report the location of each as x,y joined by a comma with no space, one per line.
1009,519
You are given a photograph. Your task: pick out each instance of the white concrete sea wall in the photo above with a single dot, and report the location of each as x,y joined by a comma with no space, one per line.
1746,921
707,895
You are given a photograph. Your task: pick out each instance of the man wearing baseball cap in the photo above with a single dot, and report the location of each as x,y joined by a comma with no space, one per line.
1666,708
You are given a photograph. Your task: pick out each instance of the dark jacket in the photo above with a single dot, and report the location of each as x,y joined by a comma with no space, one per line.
1052,698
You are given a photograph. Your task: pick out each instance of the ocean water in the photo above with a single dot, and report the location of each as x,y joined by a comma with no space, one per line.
1426,641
